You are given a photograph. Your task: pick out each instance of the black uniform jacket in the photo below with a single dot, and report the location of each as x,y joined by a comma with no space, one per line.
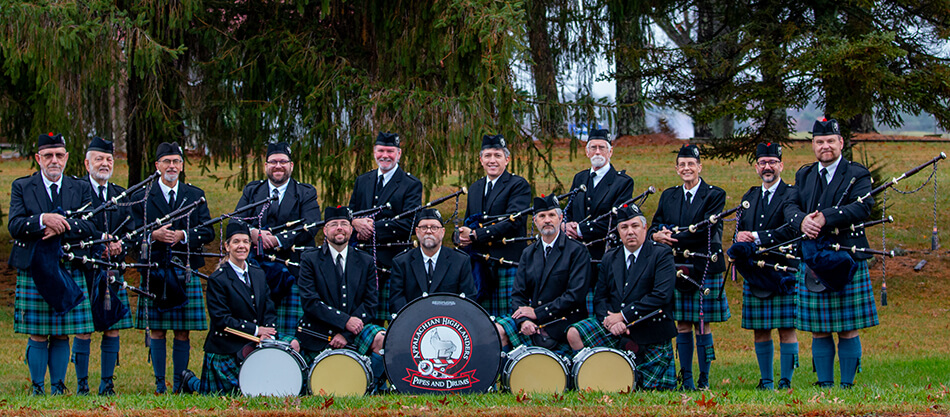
158,207
29,199
804,199
611,191
510,194
453,274
554,288
403,192
107,221
329,302
672,210
231,303
299,202
647,287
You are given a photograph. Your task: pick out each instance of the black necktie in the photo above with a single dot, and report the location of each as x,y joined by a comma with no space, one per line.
102,193
822,181
632,259
54,195
689,197
590,181
274,206
547,251
379,188
171,199
429,271
339,265
247,280
485,197
765,198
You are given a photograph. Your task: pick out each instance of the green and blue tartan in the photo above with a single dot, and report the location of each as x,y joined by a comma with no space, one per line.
33,315
775,312
517,339
382,307
362,344
190,316
126,322
498,303
656,368
715,305
852,308
219,374
289,312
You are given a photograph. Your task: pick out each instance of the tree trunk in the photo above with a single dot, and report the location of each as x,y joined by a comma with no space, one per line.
550,115
629,38
714,73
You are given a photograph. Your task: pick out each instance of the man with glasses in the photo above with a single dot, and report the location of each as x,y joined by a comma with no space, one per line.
295,201
682,206
387,184
182,235
38,227
764,224
429,268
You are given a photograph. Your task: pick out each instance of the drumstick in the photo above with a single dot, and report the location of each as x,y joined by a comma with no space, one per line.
551,322
318,335
658,311
239,333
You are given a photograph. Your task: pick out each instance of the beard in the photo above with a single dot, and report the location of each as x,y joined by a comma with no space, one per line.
430,242
598,161
99,176
168,177
548,230
339,239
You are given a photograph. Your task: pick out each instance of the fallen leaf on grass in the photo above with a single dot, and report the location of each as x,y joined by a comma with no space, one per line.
703,402
444,400
327,402
606,400
726,381
685,399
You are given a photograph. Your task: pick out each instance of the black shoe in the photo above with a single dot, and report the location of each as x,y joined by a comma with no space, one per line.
58,388
107,387
703,381
845,385
821,384
784,383
160,387
686,381
82,386
186,376
764,385
38,389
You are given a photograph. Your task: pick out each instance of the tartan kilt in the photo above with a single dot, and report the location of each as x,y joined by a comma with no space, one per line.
289,312
190,316
362,344
517,339
852,308
219,374
655,366
775,312
126,322
498,303
382,307
33,315
715,306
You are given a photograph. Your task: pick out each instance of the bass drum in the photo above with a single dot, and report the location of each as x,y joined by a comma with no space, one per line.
532,369
442,343
273,369
341,373
603,369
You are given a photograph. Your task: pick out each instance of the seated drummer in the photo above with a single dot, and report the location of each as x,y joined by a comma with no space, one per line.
634,280
338,292
428,269
550,286
238,298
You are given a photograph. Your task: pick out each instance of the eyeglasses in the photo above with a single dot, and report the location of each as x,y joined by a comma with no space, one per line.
689,164
763,164
52,155
602,148
171,161
428,228
283,162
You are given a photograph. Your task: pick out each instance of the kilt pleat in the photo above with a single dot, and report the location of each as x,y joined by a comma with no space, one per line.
715,305
517,339
775,312
190,316
289,312
852,308
498,303
33,315
219,374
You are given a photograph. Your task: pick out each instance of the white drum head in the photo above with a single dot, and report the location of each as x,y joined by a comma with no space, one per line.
270,372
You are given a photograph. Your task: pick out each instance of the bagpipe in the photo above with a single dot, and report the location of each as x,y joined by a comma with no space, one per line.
637,201
319,224
711,220
478,221
114,201
413,211
107,307
243,208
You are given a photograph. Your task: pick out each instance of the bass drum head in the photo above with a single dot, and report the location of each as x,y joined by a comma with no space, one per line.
442,343
605,370
532,369
271,371
339,372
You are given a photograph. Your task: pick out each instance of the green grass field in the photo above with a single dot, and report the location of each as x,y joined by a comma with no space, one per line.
905,369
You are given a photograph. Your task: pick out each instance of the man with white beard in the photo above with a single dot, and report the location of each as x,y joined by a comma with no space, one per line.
429,268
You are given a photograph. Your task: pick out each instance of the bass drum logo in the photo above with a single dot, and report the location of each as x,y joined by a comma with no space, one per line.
441,348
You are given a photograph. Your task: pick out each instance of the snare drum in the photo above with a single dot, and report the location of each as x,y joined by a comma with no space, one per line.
340,372
442,343
273,369
533,369
603,369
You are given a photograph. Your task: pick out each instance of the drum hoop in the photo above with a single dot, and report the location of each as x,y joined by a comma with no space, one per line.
362,360
301,363
522,352
587,352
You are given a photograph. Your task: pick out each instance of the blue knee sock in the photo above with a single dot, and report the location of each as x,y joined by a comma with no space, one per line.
37,359
764,351
180,355
378,367
823,356
684,346
157,349
81,357
849,357
705,352
58,360
109,355
789,359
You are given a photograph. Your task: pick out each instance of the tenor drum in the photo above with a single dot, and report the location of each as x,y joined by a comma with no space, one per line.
340,372
273,369
533,369
603,369
442,343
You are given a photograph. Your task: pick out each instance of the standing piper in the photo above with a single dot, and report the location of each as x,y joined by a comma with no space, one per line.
389,183
682,206
338,292
606,189
763,310
499,193
429,269
822,201
636,279
295,201
51,298
99,165
550,285
182,235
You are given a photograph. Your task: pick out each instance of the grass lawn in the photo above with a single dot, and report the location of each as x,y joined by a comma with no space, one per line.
905,369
